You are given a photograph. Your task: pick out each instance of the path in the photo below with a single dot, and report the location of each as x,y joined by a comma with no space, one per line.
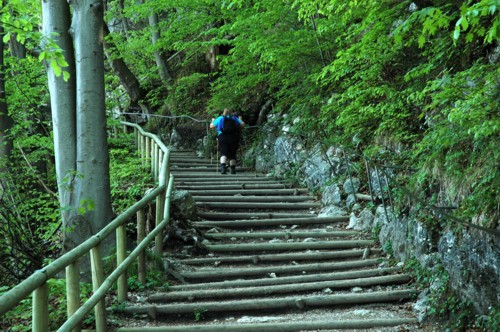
273,264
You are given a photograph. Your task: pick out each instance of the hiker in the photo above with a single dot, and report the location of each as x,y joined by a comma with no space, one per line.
228,137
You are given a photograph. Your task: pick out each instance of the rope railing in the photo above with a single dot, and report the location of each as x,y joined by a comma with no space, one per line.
149,147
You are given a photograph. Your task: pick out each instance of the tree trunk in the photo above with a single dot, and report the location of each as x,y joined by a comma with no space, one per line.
128,80
161,62
91,193
79,120
56,19
6,121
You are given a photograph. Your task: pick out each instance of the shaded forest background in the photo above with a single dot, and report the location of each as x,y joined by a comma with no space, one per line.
410,83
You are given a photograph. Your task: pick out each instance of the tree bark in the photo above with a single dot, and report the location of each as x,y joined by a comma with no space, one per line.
264,111
79,120
161,61
6,121
128,80
56,25
91,189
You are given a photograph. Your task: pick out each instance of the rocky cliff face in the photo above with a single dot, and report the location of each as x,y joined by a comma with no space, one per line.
470,257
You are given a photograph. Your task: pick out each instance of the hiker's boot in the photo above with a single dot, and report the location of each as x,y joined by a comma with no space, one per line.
233,169
223,168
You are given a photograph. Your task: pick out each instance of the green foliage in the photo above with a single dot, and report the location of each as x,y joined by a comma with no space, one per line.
199,314
19,318
491,322
129,176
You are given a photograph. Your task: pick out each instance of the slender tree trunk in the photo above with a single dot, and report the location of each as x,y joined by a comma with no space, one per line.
91,189
56,24
6,121
161,62
128,80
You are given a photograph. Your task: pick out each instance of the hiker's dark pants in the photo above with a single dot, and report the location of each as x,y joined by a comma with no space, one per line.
228,145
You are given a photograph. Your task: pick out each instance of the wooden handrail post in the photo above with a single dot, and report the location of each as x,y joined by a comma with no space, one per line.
160,203
155,165
97,279
41,309
151,151
73,290
141,234
137,140
143,150
147,147
121,254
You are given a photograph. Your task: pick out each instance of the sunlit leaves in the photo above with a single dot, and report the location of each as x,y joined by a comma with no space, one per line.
481,19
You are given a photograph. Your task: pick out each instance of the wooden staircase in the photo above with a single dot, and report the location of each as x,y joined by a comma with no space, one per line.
272,264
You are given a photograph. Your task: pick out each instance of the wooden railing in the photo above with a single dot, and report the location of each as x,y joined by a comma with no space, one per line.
150,148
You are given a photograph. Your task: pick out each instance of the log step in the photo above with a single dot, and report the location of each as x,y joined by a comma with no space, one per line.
235,186
261,205
252,199
291,219
217,273
278,235
278,289
289,302
210,192
287,257
316,277
280,326
265,246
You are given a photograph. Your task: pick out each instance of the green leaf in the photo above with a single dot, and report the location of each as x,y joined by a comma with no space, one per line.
6,38
66,76
464,24
421,41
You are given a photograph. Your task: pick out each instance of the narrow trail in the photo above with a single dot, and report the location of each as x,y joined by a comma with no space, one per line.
272,264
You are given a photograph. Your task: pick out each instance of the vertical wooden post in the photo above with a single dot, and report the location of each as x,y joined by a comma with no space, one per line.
41,309
147,147
141,234
137,140
155,165
159,152
160,202
121,254
73,290
143,152
97,279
